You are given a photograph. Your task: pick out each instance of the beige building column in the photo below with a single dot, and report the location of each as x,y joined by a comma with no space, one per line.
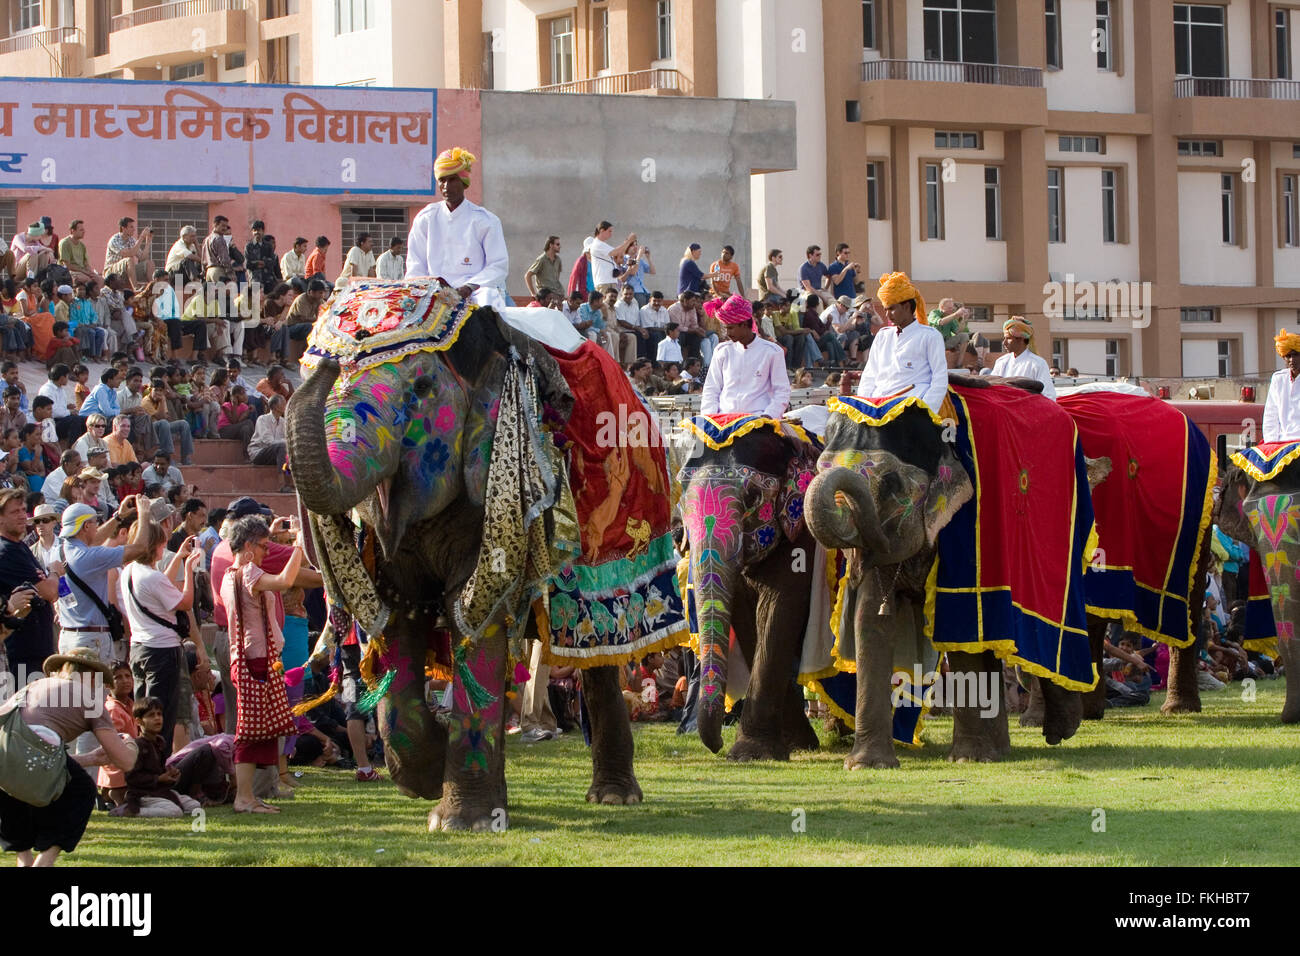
846,142
462,37
1266,212
695,44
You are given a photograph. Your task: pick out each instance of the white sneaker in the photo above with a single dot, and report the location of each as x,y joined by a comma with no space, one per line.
533,736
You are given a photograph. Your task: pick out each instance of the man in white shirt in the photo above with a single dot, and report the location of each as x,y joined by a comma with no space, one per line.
294,262
653,313
627,314
907,356
459,240
268,443
669,349
69,464
392,264
604,256
1282,406
359,264
64,397
747,374
183,256
1017,361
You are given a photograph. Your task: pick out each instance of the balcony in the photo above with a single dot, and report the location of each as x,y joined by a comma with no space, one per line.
659,82
176,32
934,93
1222,107
56,51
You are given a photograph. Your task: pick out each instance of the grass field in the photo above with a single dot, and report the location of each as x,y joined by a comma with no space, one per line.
1215,788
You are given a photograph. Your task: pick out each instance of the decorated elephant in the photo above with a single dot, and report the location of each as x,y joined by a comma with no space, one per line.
968,532
1259,505
751,569
438,506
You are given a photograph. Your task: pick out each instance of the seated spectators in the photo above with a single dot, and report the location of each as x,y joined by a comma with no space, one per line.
164,406
268,444
163,472
31,459
236,418
149,785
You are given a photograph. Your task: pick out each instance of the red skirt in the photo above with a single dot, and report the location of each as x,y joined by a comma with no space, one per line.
264,753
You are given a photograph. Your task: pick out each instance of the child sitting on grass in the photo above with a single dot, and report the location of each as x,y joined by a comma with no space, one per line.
149,790
112,781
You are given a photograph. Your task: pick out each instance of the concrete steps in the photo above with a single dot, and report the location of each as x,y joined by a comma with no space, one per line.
217,451
245,479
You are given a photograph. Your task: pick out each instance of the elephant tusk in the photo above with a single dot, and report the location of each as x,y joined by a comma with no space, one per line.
382,491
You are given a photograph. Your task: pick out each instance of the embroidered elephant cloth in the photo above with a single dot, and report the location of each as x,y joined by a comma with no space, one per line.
1260,632
1262,462
618,599
1008,576
1152,510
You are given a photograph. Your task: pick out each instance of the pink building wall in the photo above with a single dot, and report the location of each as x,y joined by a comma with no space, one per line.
286,215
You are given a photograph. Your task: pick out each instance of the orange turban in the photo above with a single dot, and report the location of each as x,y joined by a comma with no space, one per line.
897,287
452,161
1286,342
1016,325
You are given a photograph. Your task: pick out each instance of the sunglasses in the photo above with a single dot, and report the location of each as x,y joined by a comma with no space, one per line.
46,520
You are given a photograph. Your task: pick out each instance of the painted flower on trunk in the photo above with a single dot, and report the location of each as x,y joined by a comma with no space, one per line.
711,511
434,459
445,420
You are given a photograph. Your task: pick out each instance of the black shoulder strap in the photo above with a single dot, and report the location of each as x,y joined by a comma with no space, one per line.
81,585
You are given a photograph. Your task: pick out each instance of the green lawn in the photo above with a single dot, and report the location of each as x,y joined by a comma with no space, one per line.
1216,788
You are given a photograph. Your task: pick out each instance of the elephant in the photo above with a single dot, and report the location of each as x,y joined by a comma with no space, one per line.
885,492
751,558
400,417
1263,511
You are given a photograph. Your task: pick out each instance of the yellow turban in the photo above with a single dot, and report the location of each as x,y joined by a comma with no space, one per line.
897,287
1286,342
1017,325
452,161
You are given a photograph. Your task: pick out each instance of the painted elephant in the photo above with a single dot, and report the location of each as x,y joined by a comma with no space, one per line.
408,401
1263,511
751,558
884,492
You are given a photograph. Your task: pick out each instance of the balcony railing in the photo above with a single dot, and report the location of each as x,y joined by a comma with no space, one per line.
172,11
638,82
36,39
936,71
1190,86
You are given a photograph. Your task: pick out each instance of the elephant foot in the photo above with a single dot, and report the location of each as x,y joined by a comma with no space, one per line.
1031,719
445,819
1063,720
615,792
1290,715
1093,712
872,758
1175,704
757,748
974,751
799,734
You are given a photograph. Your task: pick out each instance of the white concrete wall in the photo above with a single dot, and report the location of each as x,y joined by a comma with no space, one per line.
1204,259
1200,358
1079,85
1088,355
517,67
417,58
352,57
1239,38
1084,253
880,237
963,254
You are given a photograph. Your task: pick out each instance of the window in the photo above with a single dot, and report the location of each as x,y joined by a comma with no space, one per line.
1295,150
353,15
933,211
384,223
8,217
29,14
1059,353
875,191
561,50
1198,315
235,61
1198,147
602,38
1102,40
950,140
1095,313
1225,358
1055,204
980,313
961,31
1200,48
664,25
1052,18
868,24
1282,44
1113,358
1227,207
189,71
1080,144
992,203
1290,227
1109,206
166,219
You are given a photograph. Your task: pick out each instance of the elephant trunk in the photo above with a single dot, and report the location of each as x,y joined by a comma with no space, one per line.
841,512
314,475
714,585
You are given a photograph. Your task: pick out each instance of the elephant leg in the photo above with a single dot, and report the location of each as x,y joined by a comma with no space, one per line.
796,729
769,630
977,735
1033,715
1183,696
1094,701
415,744
1062,712
612,777
873,738
474,789
1291,658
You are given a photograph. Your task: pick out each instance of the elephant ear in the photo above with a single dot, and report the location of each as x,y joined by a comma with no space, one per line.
552,388
950,489
799,474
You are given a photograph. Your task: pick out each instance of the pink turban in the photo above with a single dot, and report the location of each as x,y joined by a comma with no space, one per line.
734,311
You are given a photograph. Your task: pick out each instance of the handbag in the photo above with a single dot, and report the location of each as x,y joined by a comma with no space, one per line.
181,625
116,623
262,706
32,770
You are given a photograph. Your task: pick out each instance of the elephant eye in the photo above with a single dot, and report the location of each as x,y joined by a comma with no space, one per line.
423,386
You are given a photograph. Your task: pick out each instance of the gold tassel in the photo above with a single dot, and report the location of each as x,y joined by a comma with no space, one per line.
374,650
308,705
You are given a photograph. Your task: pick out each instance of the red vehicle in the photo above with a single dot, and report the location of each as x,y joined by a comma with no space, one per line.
1228,425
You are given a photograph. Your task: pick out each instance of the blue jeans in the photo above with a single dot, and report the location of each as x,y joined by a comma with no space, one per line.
168,432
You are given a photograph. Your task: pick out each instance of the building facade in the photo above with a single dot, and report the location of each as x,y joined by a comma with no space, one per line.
1124,173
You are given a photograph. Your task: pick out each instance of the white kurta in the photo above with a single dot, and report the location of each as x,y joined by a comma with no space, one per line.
465,246
750,380
912,359
1282,408
1026,365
